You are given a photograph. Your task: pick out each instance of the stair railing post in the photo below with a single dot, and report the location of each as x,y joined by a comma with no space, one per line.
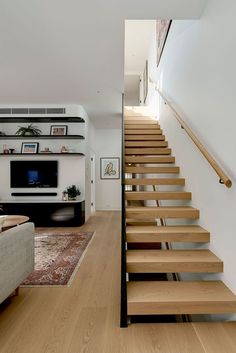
123,303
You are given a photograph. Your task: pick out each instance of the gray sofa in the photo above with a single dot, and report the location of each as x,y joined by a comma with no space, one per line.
16,257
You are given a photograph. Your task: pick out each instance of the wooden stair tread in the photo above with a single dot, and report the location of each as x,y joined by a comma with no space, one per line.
152,170
186,229
149,160
179,298
155,234
145,137
141,132
190,255
146,144
141,122
163,212
138,223
138,116
157,195
169,261
142,126
155,181
147,150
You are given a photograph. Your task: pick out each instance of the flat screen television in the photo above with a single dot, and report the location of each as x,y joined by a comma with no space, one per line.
33,174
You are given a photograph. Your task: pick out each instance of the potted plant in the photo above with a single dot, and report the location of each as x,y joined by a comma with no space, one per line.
72,192
28,130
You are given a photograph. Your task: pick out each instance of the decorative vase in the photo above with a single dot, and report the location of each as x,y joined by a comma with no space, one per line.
71,198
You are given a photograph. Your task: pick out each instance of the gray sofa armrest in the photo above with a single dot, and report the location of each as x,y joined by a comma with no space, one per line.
16,257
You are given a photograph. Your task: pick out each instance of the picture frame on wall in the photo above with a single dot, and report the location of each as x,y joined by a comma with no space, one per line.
162,30
29,147
145,82
110,168
58,130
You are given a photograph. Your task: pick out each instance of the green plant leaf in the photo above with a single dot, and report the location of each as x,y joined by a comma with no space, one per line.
30,129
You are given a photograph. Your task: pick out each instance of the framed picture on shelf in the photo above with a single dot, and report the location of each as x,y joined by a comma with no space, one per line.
29,147
110,168
58,130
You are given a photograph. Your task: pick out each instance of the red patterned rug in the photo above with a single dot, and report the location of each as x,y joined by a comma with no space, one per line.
57,258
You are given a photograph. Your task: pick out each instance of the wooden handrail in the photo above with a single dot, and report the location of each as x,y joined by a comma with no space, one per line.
224,179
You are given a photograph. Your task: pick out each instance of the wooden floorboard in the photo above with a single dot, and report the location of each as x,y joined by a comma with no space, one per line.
85,316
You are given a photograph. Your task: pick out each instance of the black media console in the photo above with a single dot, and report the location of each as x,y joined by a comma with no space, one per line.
48,214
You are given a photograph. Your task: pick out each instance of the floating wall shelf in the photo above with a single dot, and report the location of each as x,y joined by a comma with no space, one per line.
40,154
43,137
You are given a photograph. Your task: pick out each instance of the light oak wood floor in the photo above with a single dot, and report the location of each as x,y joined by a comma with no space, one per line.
85,317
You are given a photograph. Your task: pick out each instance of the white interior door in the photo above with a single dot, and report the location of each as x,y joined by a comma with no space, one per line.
92,168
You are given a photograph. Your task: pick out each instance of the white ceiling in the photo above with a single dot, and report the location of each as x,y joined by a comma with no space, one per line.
138,35
72,51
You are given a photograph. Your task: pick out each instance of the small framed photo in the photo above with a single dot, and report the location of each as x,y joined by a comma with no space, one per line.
110,168
29,147
58,130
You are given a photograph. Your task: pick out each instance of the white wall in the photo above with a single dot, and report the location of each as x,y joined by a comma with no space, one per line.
71,169
89,151
108,192
132,83
138,34
197,73
54,145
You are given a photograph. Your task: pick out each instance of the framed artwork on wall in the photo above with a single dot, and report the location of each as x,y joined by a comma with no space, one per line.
58,130
145,82
110,168
162,30
29,147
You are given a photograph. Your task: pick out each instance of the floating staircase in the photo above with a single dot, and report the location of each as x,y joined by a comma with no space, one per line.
149,169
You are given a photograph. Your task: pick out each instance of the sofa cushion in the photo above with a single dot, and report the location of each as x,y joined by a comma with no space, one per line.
16,257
